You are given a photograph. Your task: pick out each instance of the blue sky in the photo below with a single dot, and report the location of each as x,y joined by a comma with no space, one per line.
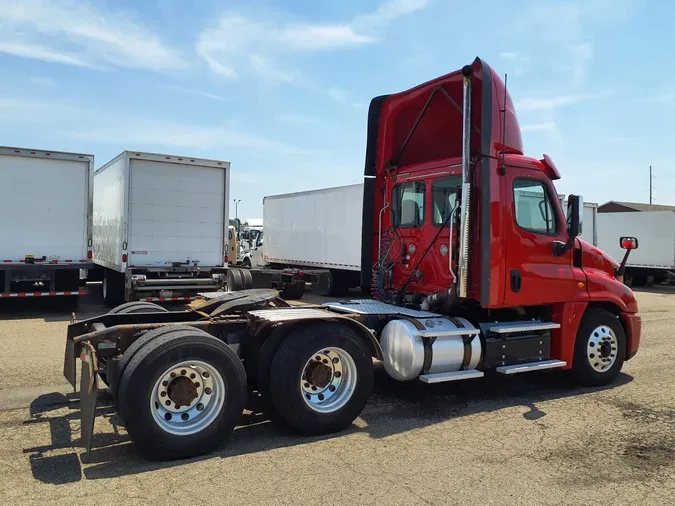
281,89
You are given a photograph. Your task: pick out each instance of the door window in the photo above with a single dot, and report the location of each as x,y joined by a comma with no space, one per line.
408,204
445,197
533,208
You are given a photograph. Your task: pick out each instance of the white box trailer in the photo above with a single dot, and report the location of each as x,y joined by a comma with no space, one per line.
46,222
655,231
308,237
160,226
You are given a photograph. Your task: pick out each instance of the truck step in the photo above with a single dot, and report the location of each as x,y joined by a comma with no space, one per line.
512,327
531,366
451,376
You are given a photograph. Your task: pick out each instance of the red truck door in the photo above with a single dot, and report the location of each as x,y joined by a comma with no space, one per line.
533,221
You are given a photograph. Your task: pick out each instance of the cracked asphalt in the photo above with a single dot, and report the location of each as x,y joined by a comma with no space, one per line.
528,439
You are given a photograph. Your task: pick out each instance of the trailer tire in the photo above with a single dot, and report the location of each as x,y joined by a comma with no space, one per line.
113,288
293,290
138,307
221,391
247,279
337,285
235,282
338,384
599,349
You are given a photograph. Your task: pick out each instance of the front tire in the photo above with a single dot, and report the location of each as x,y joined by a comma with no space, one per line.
600,348
181,395
321,378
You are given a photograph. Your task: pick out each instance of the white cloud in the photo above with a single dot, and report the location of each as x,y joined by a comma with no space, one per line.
77,33
134,132
198,93
237,44
39,52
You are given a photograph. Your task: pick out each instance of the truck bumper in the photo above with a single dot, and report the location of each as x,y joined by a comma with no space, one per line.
633,325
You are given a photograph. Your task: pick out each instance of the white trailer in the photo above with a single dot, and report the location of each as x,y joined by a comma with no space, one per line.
160,226
317,229
655,231
46,222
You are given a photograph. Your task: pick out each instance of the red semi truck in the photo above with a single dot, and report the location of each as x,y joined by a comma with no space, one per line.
473,269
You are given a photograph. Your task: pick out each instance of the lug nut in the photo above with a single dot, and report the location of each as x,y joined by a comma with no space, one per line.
183,372
173,374
168,403
206,374
338,374
165,383
163,394
193,376
331,388
336,360
185,416
197,385
200,406
167,416
207,391
320,397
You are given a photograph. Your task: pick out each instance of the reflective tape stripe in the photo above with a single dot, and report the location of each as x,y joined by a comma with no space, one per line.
41,294
169,299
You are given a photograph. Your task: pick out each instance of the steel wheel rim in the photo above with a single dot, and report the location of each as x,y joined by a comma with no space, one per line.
207,387
602,348
328,380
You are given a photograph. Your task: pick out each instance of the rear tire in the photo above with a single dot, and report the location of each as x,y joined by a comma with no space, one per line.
337,285
174,432
347,368
137,345
600,348
138,307
294,290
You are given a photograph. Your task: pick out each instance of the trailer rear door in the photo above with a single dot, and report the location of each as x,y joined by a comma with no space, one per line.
177,214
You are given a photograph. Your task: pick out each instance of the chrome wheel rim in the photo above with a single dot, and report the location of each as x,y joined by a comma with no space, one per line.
602,348
187,397
328,380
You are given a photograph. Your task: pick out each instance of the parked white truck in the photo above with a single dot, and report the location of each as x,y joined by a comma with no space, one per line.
654,261
160,226
46,222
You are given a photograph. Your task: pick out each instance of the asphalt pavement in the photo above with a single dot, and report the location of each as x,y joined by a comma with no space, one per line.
528,439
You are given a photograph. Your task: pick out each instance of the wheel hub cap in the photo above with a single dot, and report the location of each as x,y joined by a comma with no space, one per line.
328,380
601,349
187,397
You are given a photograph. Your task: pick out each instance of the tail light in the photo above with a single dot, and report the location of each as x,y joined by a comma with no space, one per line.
226,259
124,258
90,255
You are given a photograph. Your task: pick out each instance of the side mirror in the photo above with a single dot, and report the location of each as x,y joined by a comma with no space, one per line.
575,215
629,244
575,209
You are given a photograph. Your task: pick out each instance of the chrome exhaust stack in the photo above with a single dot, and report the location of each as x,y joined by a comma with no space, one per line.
465,217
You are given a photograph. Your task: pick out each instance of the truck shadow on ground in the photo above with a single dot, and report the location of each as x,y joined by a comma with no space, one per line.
394,408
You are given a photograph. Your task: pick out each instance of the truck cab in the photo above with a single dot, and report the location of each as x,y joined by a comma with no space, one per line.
457,219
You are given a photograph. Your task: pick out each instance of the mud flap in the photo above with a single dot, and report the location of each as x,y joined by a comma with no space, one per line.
69,364
88,393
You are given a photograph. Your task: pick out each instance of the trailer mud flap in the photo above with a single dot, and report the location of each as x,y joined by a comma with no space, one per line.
88,394
69,364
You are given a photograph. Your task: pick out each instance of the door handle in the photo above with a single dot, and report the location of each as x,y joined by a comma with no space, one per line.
516,280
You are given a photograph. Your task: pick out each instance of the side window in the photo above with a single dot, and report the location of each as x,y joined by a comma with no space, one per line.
533,208
445,197
408,204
